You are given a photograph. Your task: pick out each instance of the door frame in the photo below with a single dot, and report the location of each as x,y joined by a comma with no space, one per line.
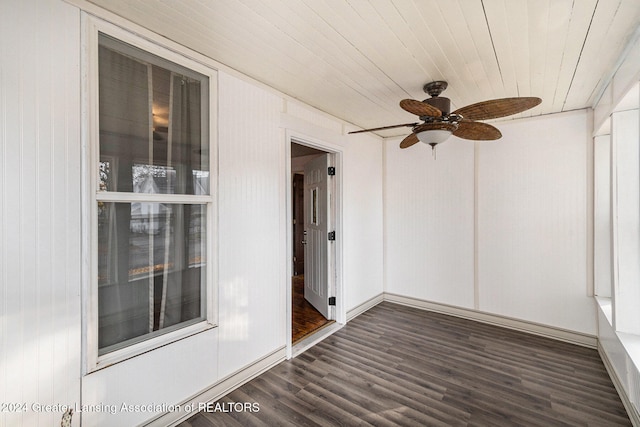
335,156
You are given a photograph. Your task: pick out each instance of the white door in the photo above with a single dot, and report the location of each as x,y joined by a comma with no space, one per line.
317,225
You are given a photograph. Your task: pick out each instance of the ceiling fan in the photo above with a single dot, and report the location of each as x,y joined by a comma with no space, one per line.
439,123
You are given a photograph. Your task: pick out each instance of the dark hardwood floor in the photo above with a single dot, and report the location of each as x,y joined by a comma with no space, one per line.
305,319
400,366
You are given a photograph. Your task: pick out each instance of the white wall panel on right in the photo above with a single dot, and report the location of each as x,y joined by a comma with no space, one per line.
532,222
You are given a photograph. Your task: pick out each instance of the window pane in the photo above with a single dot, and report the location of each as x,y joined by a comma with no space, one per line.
153,122
151,270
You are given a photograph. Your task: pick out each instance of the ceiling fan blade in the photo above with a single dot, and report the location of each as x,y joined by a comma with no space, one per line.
409,141
420,108
385,127
495,108
477,131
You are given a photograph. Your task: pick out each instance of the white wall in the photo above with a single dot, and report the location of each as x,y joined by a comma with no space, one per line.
41,217
40,259
602,215
252,216
517,207
429,222
523,197
363,219
532,222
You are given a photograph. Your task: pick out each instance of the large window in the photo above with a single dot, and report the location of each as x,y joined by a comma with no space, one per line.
153,197
617,214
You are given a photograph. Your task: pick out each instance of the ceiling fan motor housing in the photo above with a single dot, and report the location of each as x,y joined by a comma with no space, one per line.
441,103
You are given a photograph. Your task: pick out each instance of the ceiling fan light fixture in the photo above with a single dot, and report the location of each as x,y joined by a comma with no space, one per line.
434,133
434,136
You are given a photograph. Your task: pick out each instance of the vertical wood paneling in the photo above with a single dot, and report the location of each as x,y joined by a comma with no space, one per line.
602,216
172,375
39,209
530,223
532,253
429,222
363,208
252,212
12,366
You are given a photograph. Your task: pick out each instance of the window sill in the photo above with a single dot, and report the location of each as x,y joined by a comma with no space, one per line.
630,342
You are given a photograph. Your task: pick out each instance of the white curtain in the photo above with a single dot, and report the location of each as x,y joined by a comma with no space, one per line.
125,123
184,143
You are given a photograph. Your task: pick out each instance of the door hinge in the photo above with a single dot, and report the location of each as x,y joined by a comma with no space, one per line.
331,171
332,300
332,235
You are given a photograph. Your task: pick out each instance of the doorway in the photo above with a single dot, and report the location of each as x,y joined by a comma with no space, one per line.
314,208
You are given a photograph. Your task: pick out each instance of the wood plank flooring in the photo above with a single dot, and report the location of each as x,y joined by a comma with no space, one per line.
400,366
305,319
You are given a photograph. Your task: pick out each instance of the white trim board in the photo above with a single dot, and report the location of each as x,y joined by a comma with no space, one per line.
632,412
559,334
295,136
571,337
365,306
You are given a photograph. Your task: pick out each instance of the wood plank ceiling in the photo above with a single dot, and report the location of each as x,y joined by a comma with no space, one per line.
356,59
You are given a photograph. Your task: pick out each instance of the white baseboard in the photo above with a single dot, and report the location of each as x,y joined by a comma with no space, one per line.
634,416
367,305
221,388
572,337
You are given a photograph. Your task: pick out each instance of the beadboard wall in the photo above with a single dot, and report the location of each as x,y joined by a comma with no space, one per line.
533,212
499,227
252,215
429,222
41,244
40,220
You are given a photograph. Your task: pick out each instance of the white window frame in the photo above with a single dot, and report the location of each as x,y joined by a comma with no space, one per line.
92,26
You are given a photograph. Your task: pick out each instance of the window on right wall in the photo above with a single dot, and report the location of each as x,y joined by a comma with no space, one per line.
625,213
